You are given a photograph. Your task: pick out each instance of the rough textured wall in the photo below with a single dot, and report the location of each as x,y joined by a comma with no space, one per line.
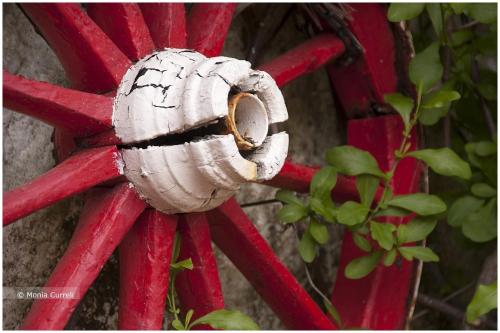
33,245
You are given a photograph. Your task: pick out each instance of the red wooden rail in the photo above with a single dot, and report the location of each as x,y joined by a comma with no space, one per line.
80,113
91,60
198,289
304,58
207,27
237,237
145,255
66,179
166,22
106,218
124,24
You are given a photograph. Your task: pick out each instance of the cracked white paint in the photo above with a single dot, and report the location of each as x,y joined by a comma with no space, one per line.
175,91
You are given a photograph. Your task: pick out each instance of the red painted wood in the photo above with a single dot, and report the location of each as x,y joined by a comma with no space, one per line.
296,177
106,138
124,24
363,83
166,22
207,27
145,255
198,289
377,301
78,112
64,144
237,237
91,60
304,58
106,218
76,174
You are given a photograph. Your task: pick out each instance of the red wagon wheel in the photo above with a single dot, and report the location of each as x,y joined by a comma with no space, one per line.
96,48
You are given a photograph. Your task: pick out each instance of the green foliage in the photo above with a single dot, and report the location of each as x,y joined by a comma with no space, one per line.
367,188
352,213
461,208
416,230
307,247
292,213
420,203
426,69
483,190
484,300
362,242
227,320
481,225
362,266
403,105
404,11
382,233
352,161
419,252
444,161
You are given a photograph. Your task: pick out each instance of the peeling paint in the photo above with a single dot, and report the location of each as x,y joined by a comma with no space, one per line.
176,91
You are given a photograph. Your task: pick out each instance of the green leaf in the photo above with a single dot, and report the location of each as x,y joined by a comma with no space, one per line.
382,233
319,231
444,161
352,213
392,211
323,182
440,98
481,225
483,12
483,190
434,11
367,186
189,315
307,247
485,148
390,257
361,242
420,203
404,11
429,117
425,68
328,213
484,300
461,208
460,37
416,230
458,8
362,266
419,252
288,197
227,320
352,161
177,324
183,264
333,312
402,104
292,213
488,91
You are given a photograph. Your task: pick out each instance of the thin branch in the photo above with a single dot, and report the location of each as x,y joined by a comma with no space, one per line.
262,202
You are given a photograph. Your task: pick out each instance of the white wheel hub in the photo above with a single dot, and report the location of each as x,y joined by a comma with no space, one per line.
196,128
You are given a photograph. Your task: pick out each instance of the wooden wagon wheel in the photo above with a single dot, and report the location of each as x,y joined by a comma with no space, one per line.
96,49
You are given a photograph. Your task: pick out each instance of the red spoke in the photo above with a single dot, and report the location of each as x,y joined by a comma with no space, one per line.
166,22
91,60
145,255
106,218
124,24
107,138
363,83
377,301
78,112
207,27
76,174
304,59
296,177
238,238
198,289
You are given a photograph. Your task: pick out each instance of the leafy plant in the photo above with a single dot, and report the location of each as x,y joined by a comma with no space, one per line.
219,319
450,86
